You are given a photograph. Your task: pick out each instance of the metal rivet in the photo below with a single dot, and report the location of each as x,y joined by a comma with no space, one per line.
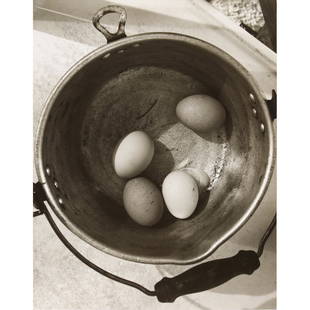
120,51
106,55
262,127
136,45
56,184
252,98
254,112
60,201
48,171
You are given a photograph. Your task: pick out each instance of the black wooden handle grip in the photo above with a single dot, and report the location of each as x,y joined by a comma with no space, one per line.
206,276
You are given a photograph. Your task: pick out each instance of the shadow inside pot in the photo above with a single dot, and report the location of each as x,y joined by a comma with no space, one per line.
162,164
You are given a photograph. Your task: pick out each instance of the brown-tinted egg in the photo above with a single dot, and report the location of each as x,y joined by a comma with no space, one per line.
201,113
143,201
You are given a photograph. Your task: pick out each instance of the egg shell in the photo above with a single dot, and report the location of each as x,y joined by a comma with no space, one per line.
143,201
201,178
180,192
201,113
133,154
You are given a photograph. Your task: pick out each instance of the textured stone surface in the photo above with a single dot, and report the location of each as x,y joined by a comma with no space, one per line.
249,12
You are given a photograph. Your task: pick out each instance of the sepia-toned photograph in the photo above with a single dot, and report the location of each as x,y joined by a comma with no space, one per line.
154,134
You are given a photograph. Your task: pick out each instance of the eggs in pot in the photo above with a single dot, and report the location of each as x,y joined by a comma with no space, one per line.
201,113
180,192
133,154
143,201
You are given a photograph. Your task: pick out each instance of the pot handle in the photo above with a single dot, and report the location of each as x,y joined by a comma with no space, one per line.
120,33
211,274
206,276
197,279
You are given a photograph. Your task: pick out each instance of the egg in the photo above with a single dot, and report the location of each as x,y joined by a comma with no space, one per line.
133,154
201,178
180,192
201,113
143,201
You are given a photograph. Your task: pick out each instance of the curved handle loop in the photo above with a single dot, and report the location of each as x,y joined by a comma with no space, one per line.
120,33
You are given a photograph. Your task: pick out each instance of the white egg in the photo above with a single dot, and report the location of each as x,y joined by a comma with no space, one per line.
133,154
201,178
180,192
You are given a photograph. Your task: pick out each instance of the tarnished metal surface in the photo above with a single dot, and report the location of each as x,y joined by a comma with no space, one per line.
136,83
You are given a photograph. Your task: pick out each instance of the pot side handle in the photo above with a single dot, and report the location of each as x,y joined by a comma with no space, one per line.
120,33
272,105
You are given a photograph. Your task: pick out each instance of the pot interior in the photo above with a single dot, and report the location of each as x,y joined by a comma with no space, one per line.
137,87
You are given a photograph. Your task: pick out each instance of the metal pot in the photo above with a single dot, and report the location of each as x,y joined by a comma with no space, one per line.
135,83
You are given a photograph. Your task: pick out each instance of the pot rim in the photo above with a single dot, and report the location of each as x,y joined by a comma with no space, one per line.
122,43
